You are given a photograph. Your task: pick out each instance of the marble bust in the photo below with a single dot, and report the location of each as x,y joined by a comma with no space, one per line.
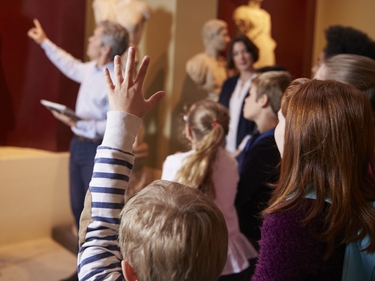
254,22
131,14
208,70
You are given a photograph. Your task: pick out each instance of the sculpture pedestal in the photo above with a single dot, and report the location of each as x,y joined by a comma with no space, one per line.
34,193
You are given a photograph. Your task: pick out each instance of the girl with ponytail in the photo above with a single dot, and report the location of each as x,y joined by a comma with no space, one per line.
209,168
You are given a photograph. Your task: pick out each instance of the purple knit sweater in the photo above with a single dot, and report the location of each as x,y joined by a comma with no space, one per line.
289,252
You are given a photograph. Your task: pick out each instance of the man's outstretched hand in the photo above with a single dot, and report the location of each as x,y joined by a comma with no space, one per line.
37,33
126,93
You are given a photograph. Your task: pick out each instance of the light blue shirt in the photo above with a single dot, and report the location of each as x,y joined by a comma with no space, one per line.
92,101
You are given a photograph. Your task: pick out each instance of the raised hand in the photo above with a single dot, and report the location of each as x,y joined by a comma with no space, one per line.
37,33
126,94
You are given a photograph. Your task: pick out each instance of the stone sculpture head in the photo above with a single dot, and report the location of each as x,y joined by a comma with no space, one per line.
215,34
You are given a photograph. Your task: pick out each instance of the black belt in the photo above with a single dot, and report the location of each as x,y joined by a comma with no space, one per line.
80,138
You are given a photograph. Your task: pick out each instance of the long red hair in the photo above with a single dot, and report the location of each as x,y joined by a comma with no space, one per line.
329,142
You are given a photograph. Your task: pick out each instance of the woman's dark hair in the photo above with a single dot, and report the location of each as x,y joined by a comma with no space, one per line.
250,47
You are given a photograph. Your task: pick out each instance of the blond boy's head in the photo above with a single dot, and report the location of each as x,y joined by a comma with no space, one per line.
272,84
170,231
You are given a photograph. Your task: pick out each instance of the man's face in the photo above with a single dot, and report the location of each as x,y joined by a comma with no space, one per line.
221,39
319,62
95,46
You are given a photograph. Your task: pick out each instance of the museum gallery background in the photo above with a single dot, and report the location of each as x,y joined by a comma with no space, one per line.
171,36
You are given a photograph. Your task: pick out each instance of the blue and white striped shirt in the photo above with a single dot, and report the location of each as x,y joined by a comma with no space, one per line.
99,256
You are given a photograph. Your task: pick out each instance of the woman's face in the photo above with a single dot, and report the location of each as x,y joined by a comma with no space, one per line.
280,133
242,59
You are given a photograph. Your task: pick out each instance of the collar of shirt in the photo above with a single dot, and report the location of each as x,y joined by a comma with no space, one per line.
109,65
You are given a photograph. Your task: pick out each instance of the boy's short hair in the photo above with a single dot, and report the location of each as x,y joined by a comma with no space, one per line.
170,231
273,84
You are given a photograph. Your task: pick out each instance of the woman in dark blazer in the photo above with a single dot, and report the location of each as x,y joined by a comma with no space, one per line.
242,55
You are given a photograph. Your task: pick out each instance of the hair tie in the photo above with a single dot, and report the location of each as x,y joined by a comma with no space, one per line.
213,124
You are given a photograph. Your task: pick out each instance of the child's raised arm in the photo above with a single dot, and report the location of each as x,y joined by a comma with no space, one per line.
126,94
99,256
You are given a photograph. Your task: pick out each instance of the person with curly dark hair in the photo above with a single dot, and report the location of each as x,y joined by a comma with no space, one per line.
345,40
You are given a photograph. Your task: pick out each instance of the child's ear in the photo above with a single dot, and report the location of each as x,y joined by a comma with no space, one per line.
264,100
128,271
188,133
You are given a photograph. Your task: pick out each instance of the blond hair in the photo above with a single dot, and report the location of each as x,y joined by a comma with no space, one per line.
170,231
209,124
272,84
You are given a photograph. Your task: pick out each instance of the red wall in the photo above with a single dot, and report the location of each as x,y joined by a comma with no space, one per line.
26,75
292,29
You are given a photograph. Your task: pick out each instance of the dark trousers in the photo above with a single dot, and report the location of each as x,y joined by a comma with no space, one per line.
81,164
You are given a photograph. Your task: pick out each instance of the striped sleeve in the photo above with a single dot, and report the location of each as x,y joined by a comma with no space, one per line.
99,256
